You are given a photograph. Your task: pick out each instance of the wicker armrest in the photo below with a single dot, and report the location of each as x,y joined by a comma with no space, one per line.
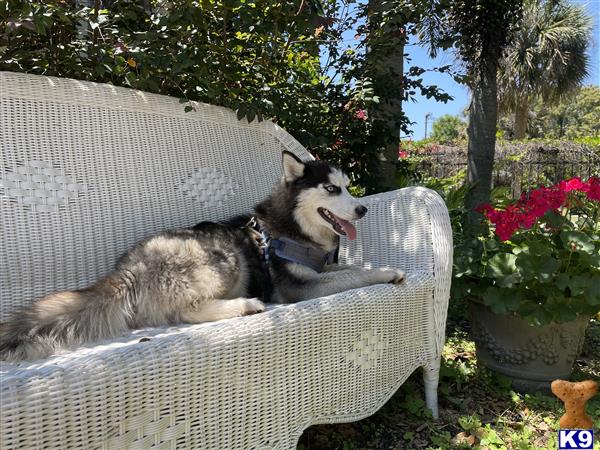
409,229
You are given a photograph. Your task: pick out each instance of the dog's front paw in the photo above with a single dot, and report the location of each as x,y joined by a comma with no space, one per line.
394,276
252,306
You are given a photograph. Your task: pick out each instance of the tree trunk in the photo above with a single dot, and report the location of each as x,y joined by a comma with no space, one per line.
385,59
483,115
521,118
390,109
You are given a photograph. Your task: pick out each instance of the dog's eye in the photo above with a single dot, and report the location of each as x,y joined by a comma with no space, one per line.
332,188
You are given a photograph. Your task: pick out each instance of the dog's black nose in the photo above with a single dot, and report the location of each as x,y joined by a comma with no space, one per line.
361,211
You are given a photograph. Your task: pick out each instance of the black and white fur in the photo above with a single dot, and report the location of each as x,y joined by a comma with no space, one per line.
210,272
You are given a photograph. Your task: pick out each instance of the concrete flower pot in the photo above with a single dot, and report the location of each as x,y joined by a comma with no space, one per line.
531,356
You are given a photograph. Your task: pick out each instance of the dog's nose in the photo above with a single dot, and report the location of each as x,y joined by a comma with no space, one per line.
360,211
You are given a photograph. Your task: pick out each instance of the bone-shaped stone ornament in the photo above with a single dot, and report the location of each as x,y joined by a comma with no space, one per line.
575,396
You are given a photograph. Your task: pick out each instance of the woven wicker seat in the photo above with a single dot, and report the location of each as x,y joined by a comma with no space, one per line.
86,171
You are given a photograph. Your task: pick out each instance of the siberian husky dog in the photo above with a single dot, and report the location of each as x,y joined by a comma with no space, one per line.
213,271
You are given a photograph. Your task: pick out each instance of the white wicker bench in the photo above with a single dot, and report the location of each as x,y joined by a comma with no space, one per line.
86,170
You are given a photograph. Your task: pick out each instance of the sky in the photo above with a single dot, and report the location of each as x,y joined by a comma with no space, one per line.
416,111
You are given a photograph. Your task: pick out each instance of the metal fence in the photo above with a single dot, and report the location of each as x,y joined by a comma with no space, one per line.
517,166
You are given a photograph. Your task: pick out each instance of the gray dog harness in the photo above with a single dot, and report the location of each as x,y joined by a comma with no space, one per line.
293,251
290,250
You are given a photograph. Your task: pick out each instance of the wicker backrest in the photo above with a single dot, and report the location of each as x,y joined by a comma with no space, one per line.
89,169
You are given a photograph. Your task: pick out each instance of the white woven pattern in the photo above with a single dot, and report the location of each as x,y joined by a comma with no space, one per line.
250,383
36,185
209,186
367,349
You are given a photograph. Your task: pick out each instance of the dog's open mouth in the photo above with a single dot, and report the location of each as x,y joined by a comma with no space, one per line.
340,226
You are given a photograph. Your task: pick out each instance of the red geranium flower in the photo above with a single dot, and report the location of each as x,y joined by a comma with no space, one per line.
593,192
532,205
524,212
574,184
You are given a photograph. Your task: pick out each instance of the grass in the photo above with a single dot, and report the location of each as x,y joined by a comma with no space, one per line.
478,409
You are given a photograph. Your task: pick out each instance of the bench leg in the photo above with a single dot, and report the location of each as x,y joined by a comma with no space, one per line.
431,376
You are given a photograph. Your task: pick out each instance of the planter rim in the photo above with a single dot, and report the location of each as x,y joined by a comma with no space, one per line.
513,314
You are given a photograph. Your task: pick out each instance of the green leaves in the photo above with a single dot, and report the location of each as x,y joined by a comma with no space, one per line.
577,241
219,52
576,284
502,267
592,291
534,267
467,258
501,300
502,264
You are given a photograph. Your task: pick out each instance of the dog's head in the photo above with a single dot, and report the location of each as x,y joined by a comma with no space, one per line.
323,205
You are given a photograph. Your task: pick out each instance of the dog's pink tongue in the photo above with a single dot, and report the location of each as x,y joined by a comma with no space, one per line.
348,228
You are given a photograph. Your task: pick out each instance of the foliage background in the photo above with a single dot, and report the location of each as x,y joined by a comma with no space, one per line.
577,117
258,57
448,129
254,56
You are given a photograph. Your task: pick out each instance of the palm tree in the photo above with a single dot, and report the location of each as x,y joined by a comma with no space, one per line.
546,59
479,31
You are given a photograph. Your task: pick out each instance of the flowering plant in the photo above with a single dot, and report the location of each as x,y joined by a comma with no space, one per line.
540,257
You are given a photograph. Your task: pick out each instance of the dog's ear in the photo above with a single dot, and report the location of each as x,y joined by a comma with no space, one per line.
293,167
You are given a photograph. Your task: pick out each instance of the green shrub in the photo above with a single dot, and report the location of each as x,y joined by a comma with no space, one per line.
543,260
251,56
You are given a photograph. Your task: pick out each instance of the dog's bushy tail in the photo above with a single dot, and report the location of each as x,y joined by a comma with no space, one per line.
65,319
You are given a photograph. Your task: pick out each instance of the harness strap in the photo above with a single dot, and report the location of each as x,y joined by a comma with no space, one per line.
289,249
293,251
262,239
